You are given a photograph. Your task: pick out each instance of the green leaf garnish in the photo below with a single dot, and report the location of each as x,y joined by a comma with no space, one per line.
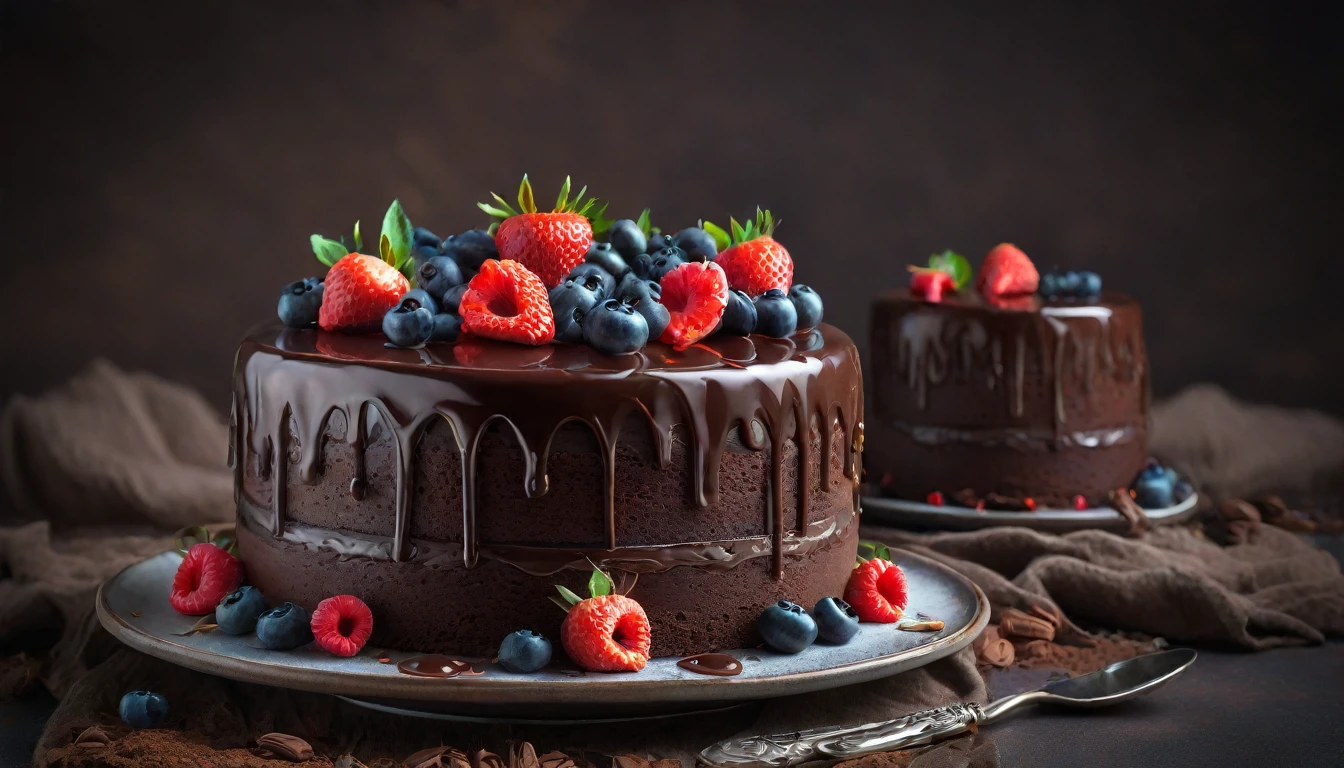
359,241
599,221
526,203
560,603
599,584
564,195
568,595
589,208
189,537
869,550
953,264
385,250
721,238
739,234
643,222
328,251
400,237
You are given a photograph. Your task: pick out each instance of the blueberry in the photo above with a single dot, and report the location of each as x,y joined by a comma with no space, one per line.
452,299
437,273
644,296
641,265
615,328
1089,285
775,314
237,613
627,238
698,244
471,249
739,316
658,242
300,302
1155,486
1069,284
419,297
633,286
594,278
665,261
807,302
446,327
836,621
284,627
570,302
606,257
524,652
1049,285
422,236
408,324
143,709
1182,491
786,627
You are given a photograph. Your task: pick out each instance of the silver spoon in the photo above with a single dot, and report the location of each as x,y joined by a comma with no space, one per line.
1121,681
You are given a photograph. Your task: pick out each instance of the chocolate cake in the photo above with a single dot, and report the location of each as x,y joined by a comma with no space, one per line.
452,486
1030,398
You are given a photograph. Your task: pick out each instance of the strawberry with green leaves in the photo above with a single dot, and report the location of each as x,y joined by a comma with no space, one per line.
606,632
549,243
361,289
947,271
752,259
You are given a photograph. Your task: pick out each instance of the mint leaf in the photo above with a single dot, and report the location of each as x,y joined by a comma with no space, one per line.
721,238
953,264
643,222
327,251
569,596
599,584
399,234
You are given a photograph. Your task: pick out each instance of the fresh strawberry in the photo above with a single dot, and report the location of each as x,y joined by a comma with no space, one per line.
360,290
207,574
930,283
506,302
1080,502
695,295
1007,271
548,243
876,590
342,624
755,263
609,633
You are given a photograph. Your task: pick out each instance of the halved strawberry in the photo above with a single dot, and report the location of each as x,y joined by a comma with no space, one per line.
1007,271
360,290
342,624
506,302
548,243
876,590
695,295
755,263
207,574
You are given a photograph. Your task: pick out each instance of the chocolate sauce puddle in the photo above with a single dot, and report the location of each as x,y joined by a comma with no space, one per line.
714,664
437,665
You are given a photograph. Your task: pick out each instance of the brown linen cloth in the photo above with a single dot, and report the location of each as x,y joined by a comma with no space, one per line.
131,449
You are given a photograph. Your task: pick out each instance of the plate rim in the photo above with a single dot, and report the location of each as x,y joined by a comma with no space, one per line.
909,511
588,689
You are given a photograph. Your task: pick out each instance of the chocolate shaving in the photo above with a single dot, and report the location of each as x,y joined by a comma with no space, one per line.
523,756
484,759
93,736
383,658
136,614
438,757
286,747
1015,623
1048,613
920,623
557,760
1129,509
628,761
992,649
1280,515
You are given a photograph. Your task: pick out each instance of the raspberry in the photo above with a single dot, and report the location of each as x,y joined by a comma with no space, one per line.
1007,271
930,283
756,266
506,302
695,295
206,576
607,634
1079,502
342,624
935,498
876,590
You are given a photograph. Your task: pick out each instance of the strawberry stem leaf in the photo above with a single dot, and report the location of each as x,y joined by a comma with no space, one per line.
563,604
568,595
359,241
644,222
526,202
564,196
721,238
599,584
328,251
399,233
189,537
953,264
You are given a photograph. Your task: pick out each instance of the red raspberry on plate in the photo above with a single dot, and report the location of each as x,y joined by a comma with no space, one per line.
359,291
755,263
342,624
506,302
694,295
876,590
207,574
1006,271
608,633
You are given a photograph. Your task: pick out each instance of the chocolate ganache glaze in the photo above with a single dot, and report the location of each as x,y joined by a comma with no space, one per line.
476,475
1046,400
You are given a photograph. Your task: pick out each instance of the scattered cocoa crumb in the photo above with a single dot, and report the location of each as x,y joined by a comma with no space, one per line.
19,674
1015,623
1280,515
349,761
966,498
286,747
899,759
1043,654
1129,509
384,658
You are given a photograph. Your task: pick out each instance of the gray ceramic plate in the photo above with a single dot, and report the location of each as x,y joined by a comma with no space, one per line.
914,513
133,606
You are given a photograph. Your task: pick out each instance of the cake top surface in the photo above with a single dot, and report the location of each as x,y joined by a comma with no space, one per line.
1028,303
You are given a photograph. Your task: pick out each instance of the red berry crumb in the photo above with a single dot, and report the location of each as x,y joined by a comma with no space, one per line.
506,302
695,294
607,634
207,574
1079,503
342,624
935,498
1029,503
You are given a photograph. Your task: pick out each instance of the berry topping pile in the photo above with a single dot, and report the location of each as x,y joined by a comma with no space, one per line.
1007,279
566,275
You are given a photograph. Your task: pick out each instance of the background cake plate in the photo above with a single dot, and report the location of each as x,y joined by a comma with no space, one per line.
915,513
133,606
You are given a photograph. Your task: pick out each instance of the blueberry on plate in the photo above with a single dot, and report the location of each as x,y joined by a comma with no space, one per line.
1089,285
615,328
524,652
409,324
775,314
608,258
594,278
658,242
739,316
698,244
437,273
284,627
786,627
422,236
143,709
807,303
452,299
447,327
300,302
665,261
237,613
836,621
627,238
1182,491
1155,486
570,302
471,249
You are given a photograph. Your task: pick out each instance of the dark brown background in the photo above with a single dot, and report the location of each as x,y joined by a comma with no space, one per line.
166,162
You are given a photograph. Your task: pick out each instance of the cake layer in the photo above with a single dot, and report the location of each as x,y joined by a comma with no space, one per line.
1040,400
480,474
